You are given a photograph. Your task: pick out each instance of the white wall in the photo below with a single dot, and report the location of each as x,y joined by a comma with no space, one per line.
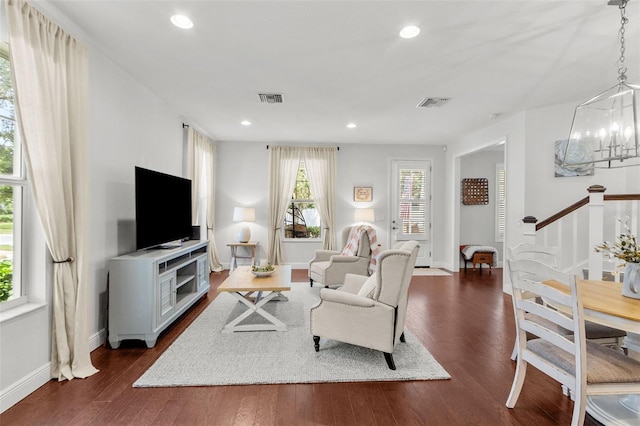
242,175
129,126
478,222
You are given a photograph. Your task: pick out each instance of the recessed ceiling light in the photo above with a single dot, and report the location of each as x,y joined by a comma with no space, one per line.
245,123
182,21
352,125
409,31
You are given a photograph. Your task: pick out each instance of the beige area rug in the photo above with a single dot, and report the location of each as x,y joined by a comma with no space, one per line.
425,272
203,356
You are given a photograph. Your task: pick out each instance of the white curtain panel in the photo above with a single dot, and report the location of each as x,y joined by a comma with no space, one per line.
283,168
201,160
321,171
194,170
210,199
51,80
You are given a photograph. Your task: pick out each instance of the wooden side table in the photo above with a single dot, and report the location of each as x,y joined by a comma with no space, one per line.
251,245
481,257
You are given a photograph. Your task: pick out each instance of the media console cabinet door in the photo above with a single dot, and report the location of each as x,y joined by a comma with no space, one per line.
166,301
203,272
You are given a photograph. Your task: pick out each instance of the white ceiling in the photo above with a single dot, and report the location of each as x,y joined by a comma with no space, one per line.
341,61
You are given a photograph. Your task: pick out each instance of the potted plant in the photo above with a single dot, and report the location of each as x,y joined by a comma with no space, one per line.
626,249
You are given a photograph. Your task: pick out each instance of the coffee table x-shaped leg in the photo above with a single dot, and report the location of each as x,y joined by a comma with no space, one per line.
254,304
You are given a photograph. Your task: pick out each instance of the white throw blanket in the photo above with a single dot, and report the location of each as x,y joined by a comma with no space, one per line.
469,250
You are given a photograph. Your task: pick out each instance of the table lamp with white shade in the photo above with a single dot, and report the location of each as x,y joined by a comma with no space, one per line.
364,215
244,215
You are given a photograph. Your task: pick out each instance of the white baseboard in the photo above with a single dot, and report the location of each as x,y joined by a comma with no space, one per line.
19,390
22,388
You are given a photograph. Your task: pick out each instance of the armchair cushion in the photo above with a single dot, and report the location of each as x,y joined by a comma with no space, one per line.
337,296
353,283
323,255
369,286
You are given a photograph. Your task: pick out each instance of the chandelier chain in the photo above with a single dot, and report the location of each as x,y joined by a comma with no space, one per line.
622,69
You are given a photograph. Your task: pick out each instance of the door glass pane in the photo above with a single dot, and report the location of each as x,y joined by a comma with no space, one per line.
500,202
413,203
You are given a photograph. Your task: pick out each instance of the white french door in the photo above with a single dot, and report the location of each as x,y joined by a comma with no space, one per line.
411,205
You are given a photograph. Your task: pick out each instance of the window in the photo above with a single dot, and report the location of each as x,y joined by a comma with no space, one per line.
302,220
500,202
12,183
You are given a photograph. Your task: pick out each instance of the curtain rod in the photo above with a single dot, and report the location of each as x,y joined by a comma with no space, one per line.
338,148
184,125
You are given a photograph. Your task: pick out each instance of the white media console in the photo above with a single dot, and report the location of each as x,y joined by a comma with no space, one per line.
149,289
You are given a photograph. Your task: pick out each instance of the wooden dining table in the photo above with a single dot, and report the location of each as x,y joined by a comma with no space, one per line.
604,303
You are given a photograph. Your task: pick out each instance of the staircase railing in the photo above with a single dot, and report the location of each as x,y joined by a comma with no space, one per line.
576,230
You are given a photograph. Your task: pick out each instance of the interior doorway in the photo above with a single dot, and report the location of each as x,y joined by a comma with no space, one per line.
483,223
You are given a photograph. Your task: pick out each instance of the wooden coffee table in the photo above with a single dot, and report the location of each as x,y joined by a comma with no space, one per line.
254,293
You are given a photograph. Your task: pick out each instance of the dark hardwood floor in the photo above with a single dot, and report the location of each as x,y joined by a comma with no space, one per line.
464,320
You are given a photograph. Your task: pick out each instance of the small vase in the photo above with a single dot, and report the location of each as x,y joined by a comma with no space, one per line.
631,282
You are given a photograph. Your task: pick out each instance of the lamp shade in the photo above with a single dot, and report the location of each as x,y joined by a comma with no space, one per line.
244,214
364,215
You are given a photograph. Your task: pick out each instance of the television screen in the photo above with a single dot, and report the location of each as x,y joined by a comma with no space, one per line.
163,208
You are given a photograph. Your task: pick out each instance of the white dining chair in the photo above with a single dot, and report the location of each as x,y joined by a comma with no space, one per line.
548,255
584,367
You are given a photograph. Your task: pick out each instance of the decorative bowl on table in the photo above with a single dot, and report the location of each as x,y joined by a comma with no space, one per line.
262,271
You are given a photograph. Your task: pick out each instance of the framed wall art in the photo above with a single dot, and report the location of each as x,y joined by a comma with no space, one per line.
362,193
578,154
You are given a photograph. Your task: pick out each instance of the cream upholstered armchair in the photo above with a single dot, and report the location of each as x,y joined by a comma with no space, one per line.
328,267
369,311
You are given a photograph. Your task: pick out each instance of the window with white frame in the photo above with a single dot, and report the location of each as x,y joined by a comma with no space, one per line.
500,202
12,184
302,220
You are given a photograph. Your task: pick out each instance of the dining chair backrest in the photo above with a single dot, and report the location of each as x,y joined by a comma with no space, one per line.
548,345
543,254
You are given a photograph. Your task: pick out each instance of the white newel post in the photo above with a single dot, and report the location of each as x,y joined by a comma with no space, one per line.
596,229
529,229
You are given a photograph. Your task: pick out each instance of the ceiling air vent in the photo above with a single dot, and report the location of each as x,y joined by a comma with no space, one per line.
433,102
270,98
